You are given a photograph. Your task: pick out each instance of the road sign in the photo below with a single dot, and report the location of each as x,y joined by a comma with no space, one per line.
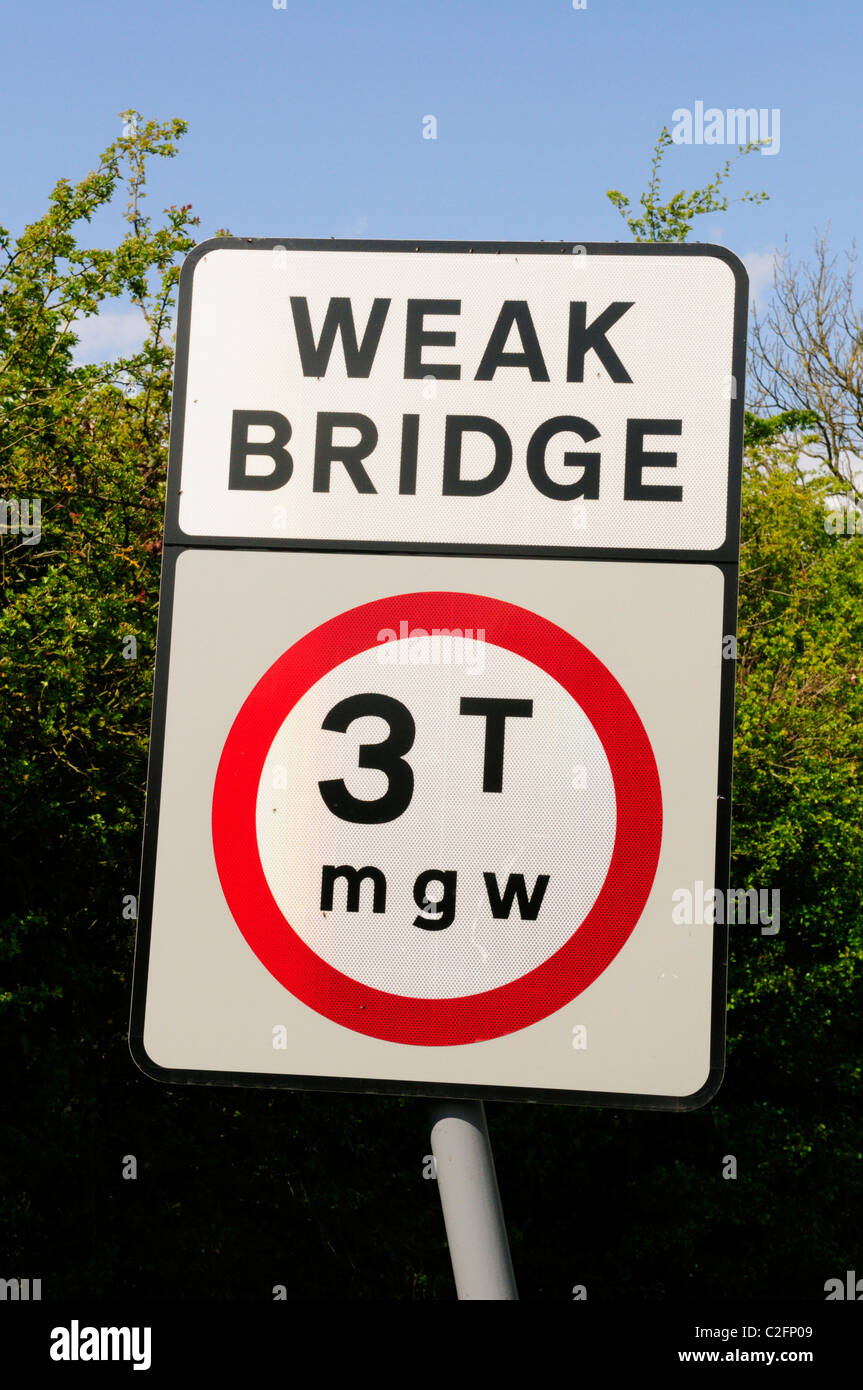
505,399
445,676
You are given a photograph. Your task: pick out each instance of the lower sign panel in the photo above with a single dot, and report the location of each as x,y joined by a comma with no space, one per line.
420,824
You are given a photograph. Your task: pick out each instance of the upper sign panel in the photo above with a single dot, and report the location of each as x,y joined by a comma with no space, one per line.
482,398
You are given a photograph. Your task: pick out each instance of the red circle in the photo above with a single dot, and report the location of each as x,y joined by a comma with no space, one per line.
473,1017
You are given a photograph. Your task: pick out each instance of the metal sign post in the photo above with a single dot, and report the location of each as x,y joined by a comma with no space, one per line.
472,1211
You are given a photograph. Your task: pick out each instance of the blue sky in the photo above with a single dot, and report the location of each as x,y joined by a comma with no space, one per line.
308,120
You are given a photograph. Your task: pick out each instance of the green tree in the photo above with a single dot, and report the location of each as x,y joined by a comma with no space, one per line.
672,221
87,442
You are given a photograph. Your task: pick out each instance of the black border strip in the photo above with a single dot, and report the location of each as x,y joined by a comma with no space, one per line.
725,553
269,1081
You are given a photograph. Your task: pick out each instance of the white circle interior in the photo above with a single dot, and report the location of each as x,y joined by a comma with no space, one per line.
555,815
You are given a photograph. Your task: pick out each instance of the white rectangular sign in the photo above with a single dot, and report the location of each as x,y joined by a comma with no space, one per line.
350,883
573,399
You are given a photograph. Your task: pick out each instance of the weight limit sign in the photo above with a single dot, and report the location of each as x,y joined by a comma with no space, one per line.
437,818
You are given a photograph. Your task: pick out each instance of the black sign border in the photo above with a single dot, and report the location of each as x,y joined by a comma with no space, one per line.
727,552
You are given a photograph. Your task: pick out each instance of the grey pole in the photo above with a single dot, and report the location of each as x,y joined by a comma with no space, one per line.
469,1195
